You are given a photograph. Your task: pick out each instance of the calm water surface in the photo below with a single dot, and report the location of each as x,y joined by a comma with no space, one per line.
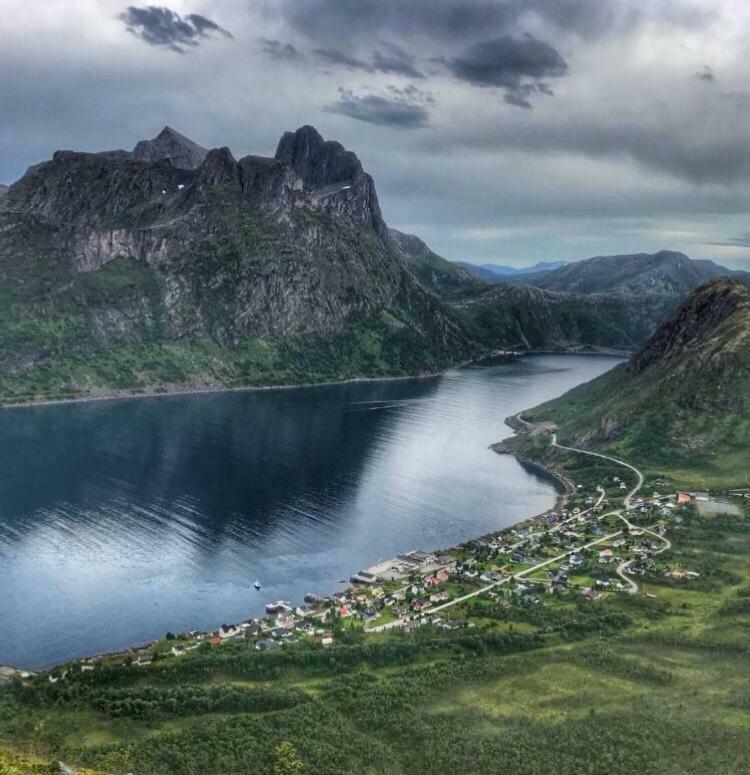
120,520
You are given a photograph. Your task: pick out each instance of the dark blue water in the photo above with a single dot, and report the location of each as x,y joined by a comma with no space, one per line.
120,520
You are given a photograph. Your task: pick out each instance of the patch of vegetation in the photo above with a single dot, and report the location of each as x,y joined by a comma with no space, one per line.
651,683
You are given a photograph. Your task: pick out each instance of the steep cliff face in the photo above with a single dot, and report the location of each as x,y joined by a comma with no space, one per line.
172,243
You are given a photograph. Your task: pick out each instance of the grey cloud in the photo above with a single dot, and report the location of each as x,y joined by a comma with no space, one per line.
395,60
517,98
204,25
706,74
281,51
332,56
740,241
400,113
160,26
507,61
462,20
695,151
390,59
515,64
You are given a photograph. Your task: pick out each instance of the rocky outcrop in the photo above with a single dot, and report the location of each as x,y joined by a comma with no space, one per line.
170,144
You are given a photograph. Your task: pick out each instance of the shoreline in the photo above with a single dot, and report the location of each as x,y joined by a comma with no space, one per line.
563,490
187,390
515,422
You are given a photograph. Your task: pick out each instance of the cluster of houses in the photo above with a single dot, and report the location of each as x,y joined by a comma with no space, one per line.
412,588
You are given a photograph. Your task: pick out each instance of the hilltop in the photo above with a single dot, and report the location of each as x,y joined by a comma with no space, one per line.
681,404
665,273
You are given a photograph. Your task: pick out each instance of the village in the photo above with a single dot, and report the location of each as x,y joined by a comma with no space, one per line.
600,542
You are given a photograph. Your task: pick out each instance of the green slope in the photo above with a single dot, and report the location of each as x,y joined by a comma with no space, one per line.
683,404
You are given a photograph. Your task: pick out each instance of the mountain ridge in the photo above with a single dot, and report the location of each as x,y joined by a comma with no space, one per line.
666,272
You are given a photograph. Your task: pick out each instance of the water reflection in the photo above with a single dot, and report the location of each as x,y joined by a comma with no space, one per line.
120,520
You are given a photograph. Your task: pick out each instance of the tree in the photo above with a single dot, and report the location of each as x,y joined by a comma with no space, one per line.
287,761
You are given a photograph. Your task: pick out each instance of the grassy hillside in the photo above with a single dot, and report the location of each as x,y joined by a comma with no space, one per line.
523,317
682,405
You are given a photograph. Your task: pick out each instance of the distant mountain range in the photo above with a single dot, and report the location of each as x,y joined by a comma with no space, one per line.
664,273
682,404
500,273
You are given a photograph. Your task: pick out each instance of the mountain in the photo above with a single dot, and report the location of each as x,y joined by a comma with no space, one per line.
666,273
499,272
3,190
170,144
444,278
171,266
522,317
682,404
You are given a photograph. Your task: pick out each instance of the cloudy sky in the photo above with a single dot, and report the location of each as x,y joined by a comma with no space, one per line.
506,131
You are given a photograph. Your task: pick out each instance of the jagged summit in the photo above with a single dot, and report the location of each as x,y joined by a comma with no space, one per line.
175,244
317,161
170,144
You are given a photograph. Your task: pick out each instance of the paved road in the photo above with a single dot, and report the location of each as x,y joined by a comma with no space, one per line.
666,543
639,475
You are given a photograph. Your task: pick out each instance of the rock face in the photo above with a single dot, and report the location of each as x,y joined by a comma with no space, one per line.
170,144
3,190
697,326
207,247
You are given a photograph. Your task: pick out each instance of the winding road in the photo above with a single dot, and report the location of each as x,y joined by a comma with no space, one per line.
621,568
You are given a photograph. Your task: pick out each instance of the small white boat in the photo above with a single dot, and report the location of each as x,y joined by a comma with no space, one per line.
257,584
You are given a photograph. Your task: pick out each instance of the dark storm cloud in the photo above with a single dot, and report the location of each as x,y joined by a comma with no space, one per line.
506,61
160,26
515,64
280,51
401,112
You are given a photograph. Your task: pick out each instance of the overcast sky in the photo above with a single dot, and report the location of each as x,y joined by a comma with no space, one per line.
506,131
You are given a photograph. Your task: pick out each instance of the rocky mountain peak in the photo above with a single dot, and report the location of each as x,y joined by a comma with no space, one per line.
696,323
317,161
170,144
